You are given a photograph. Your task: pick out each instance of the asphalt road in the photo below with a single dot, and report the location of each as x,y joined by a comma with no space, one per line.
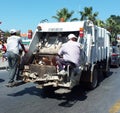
28,99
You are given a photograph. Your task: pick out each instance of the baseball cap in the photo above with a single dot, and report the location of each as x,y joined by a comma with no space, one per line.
12,31
70,36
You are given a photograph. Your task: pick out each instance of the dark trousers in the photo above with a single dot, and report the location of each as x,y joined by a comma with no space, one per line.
61,63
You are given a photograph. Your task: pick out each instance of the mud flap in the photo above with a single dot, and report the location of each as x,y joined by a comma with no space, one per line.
94,77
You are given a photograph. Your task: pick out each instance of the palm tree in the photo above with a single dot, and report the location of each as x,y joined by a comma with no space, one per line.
113,27
100,23
64,15
88,14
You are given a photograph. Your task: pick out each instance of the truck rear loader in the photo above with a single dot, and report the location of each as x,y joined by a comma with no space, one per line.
40,62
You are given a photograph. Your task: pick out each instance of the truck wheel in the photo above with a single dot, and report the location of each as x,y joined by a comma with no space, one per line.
94,78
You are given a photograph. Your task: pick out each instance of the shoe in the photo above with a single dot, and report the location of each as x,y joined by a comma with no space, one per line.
62,72
9,84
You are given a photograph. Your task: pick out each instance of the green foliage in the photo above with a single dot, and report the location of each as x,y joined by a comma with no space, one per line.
87,14
65,14
112,23
7,34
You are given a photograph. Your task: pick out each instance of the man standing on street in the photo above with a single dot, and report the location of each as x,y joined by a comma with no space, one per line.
13,43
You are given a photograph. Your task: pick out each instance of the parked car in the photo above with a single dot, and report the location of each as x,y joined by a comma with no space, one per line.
115,56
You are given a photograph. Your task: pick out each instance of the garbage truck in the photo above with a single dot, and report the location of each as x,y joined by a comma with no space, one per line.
40,65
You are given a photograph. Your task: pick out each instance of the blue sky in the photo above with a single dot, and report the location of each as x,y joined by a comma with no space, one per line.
26,14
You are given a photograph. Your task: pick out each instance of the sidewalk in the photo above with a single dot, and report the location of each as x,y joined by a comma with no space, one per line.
3,65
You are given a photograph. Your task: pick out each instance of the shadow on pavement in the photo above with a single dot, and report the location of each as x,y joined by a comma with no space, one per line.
67,100
1,80
103,77
30,90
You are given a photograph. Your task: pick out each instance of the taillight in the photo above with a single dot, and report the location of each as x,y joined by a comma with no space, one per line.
114,54
29,34
81,32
